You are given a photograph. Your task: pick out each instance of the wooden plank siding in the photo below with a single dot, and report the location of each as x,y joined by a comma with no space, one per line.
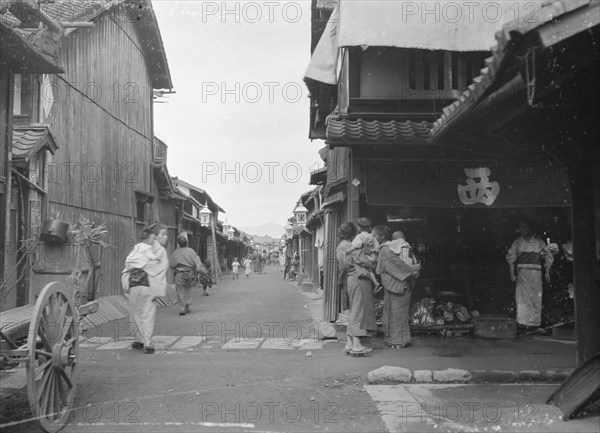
102,122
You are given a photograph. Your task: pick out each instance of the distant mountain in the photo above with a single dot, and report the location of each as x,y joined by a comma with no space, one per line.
268,229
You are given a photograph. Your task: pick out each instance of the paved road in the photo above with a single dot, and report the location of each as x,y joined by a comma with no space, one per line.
239,363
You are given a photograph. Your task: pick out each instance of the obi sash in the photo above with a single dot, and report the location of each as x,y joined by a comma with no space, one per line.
529,260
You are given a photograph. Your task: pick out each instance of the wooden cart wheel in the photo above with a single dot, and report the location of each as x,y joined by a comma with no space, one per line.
53,351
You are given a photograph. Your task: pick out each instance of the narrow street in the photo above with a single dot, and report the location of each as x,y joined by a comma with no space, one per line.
240,362
224,383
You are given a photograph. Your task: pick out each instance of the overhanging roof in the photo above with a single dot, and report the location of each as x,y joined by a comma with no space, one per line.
337,186
163,181
318,177
20,53
27,141
500,68
146,25
201,195
346,132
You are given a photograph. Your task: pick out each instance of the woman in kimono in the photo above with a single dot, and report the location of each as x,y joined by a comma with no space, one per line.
186,265
361,318
346,233
398,278
527,258
142,307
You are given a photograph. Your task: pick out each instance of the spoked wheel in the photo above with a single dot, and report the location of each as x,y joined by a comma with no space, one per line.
53,351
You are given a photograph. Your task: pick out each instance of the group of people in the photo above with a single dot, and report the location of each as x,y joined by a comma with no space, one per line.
371,259
291,266
145,279
235,267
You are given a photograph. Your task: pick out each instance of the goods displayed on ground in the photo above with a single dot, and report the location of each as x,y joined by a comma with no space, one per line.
429,315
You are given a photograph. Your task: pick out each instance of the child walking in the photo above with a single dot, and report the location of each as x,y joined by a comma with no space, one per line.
248,266
235,266
207,278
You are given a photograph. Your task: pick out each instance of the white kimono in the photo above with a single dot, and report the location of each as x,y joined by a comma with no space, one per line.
142,310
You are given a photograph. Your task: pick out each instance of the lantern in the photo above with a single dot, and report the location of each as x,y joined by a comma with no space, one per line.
230,232
226,227
289,230
300,212
205,216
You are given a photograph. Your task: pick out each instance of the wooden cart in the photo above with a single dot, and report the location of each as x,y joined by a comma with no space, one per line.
49,349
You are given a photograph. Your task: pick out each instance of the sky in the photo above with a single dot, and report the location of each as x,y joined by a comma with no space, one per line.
237,125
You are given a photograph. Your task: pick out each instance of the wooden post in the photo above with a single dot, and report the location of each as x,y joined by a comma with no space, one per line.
216,265
585,263
6,109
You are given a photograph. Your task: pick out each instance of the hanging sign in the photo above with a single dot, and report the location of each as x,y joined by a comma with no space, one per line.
478,188
466,184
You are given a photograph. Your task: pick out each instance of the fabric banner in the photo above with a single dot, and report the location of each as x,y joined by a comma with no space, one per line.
466,184
324,61
431,25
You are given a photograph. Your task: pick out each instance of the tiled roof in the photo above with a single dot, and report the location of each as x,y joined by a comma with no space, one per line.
77,10
494,74
360,131
28,140
147,25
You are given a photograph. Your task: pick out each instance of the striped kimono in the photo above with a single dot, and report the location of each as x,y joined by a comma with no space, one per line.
528,255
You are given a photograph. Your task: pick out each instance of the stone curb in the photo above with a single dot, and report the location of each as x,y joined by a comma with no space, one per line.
389,375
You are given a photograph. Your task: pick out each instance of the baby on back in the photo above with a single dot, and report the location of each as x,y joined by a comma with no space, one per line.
399,246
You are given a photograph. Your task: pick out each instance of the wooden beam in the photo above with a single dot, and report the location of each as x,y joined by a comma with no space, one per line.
462,72
569,25
447,72
419,70
404,74
29,182
78,25
433,68
587,293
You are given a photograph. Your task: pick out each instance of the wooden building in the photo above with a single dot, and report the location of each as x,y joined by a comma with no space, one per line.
206,240
25,52
427,133
545,71
99,114
310,240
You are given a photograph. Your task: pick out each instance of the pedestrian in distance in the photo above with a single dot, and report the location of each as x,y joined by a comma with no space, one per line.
235,267
248,266
207,278
286,267
185,264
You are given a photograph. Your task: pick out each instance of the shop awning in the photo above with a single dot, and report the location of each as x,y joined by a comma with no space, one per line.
430,25
345,132
485,184
29,140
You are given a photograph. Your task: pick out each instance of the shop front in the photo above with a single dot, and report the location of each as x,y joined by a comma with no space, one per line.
461,217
